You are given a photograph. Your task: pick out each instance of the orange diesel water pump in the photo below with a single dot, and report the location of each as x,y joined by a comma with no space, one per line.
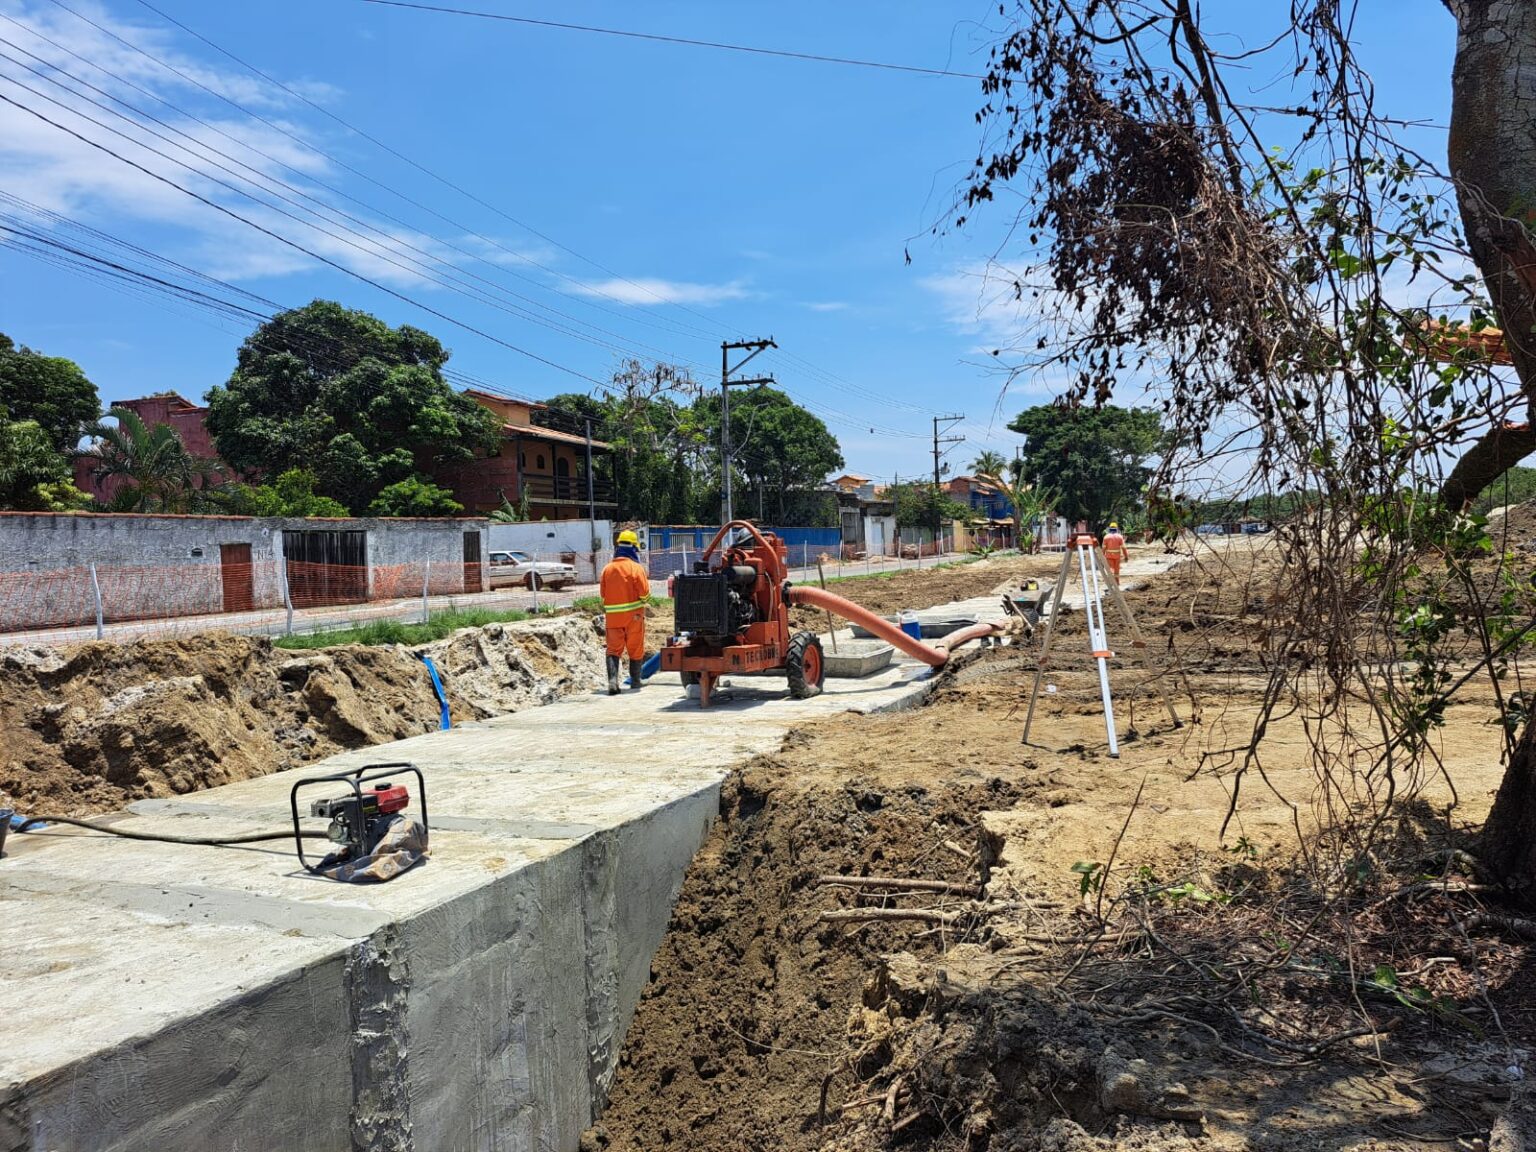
731,616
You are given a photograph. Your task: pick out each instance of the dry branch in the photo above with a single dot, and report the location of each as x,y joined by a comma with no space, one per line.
974,891
1514,925
921,915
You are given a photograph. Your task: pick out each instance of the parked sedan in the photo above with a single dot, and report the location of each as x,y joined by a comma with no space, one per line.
509,568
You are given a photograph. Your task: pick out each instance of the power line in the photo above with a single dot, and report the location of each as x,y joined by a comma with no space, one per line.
586,288
715,328
377,248
268,183
313,255
376,142
473,293
753,50
271,180
116,273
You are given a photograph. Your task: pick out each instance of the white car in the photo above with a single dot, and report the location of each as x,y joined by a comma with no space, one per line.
508,568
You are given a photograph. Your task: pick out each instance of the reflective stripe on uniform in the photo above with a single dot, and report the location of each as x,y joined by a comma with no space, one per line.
630,607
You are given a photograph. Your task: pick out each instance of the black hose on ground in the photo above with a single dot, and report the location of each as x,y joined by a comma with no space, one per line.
166,838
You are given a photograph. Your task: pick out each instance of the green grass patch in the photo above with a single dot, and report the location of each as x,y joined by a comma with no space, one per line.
398,632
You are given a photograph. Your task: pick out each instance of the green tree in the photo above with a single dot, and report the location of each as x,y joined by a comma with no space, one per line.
161,475
1031,505
49,390
782,454
665,433
291,494
34,476
1516,486
414,496
361,405
921,505
647,416
1092,458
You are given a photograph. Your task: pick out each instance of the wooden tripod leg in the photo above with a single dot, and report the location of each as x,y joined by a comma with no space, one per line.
1139,645
1045,648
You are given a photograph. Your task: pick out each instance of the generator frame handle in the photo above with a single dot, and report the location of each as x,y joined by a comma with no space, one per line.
750,527
355,778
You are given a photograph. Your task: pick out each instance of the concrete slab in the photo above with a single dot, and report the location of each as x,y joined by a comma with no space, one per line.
171,997
852,659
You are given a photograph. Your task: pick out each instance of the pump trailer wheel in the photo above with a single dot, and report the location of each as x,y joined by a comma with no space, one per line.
805,665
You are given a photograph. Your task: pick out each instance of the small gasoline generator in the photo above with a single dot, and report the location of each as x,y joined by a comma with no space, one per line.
360,817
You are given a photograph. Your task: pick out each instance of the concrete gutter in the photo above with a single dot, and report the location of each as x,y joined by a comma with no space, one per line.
168,997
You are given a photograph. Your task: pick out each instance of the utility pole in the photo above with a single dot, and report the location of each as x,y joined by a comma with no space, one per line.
948,422
591,505
727,370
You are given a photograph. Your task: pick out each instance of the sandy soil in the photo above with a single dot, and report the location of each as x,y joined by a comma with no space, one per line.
1042,1016
915,589
91,727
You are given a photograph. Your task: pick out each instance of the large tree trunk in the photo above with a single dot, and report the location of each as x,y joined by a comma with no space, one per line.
1493,162
1508,845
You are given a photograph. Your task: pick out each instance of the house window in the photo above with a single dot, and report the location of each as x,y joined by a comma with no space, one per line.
541,462
522,459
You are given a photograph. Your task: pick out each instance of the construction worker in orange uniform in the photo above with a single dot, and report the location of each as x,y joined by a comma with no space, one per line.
1114,549
625,585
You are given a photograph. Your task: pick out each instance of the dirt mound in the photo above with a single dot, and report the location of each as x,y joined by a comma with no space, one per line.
91,727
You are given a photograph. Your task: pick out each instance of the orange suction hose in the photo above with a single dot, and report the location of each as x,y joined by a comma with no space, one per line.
934,655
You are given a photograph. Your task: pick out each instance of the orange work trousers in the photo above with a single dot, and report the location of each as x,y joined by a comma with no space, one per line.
626,631
1114,559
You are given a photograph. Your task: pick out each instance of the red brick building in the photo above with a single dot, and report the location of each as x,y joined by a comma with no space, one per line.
546,465
187,418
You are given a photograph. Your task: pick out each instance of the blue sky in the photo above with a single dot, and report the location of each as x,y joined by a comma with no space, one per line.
651,198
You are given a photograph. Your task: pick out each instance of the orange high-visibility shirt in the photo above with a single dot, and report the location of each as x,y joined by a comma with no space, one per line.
624,585
1114,545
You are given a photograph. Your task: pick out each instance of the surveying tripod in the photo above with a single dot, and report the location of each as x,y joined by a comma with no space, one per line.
1090,563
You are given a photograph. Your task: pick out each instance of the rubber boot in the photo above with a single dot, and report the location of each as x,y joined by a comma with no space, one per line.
613,675
634,674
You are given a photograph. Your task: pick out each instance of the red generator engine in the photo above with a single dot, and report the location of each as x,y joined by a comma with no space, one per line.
731,616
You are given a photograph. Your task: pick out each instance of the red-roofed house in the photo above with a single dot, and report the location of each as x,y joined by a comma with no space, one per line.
170,408
544,464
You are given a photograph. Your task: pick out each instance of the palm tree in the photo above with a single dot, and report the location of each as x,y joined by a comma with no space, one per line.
1030,504
507,513
989,463
162,475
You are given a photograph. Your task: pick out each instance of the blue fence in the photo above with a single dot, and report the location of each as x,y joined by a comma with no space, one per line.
696,536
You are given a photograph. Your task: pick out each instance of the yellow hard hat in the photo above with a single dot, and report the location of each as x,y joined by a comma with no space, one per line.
628,537
1113,527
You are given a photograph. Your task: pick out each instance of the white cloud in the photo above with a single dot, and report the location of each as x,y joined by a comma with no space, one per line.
265,172
827,305
652,290
982,300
